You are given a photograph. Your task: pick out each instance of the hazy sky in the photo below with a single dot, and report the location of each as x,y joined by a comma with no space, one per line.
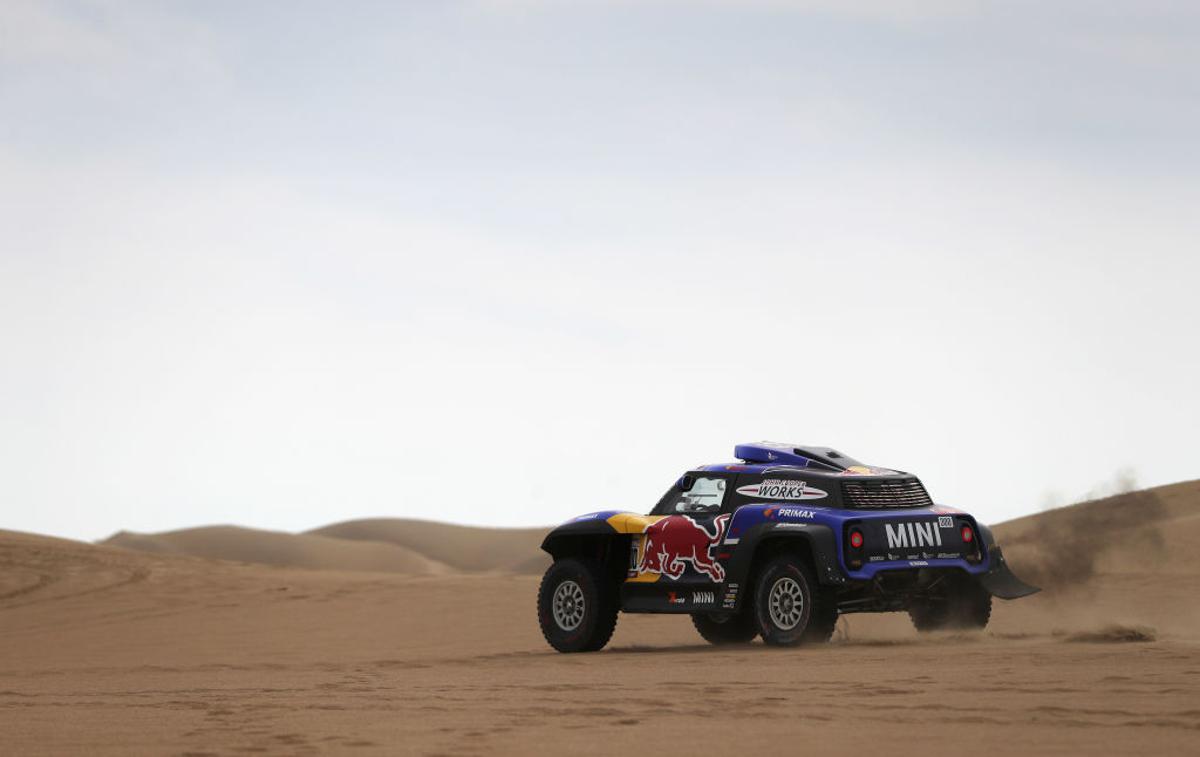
283,264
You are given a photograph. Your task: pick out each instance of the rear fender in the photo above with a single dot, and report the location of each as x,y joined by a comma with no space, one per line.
813,539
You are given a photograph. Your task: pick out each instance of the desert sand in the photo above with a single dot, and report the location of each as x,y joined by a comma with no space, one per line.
401,637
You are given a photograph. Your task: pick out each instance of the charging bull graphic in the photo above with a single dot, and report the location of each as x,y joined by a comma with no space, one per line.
677,539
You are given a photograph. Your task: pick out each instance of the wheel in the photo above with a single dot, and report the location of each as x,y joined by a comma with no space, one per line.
785,603
726,628
964,604
577,606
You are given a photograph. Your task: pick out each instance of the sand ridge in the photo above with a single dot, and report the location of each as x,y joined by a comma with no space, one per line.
389,545
1131,531
278,548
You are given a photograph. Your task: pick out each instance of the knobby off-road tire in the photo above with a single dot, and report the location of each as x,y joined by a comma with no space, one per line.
729,628
788,604
964,605
577,606
824,617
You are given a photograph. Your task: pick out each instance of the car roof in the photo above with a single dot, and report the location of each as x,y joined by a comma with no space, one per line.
781,458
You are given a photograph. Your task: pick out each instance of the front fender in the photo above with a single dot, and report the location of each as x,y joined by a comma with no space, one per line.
568,540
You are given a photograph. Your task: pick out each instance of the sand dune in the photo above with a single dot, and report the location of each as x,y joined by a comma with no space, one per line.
1119,533
390,545
462,547
114,651
1151,531
278,548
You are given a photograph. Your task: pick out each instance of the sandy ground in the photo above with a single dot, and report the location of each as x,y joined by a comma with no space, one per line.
107,651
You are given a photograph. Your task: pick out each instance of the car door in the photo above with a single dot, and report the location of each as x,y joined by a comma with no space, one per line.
679,552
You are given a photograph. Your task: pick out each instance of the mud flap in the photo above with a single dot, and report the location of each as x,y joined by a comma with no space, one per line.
1000,581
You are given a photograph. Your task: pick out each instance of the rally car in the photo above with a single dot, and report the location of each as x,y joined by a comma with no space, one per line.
776,545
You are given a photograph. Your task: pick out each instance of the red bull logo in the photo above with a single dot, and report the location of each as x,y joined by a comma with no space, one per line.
676,540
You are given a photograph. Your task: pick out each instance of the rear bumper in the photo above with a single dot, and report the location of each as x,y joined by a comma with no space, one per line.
992,573
869,571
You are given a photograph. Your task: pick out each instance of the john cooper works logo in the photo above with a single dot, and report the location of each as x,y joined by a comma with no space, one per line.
780,488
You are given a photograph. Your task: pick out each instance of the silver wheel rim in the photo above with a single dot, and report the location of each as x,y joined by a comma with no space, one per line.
786,603
568,605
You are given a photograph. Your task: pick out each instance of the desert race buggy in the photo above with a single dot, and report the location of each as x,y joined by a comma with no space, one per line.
777,545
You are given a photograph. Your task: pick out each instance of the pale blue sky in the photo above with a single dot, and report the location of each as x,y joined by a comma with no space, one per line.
281,264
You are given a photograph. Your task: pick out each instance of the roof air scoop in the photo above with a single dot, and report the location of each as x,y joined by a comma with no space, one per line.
792,454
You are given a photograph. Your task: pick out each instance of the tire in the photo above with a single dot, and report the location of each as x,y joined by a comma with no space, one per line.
824,618
785,603
586,612
728,628
964,605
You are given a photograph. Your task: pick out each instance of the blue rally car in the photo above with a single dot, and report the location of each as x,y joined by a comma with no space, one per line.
777,545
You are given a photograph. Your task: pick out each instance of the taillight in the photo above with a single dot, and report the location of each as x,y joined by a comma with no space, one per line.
856,539
968,535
